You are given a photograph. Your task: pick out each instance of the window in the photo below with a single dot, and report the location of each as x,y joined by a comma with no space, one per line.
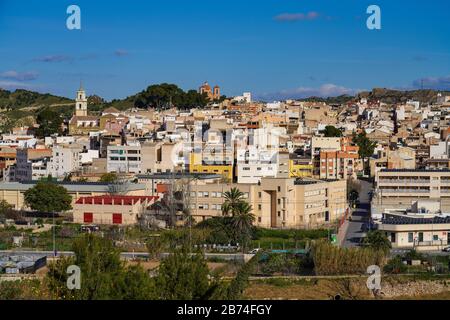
410,237
259,207
392,237
279,189
206,194
259,194
435,237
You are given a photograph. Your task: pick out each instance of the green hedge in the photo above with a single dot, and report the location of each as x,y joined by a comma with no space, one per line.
290,234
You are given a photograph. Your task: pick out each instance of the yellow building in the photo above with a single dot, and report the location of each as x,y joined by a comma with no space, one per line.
196,165
300,168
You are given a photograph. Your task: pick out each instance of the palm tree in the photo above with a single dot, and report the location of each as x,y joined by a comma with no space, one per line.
232,199
242,222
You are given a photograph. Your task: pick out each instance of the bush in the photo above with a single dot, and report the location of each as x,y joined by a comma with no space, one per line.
332,260
413,255
395,265
284,263
290,234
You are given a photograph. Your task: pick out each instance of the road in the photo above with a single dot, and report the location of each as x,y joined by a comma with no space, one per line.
360,216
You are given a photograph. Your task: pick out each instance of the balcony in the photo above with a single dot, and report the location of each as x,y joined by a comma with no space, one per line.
403,181
384,191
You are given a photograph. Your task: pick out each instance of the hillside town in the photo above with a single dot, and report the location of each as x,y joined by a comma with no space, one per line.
298,164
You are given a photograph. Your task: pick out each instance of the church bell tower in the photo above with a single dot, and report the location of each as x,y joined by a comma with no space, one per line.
81,103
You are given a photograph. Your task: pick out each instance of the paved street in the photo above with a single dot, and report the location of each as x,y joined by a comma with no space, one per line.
360,216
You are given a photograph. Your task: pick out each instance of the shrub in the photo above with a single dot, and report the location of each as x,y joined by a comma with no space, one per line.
395,265
332,260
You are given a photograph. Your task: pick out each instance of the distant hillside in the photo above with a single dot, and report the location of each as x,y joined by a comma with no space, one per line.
390,96
19,107
20,99
331,100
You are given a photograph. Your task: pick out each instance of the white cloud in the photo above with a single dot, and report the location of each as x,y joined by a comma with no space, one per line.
19,76
289,17
325,90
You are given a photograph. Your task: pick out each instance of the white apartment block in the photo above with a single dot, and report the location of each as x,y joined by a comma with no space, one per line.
31,164
66,159
124,159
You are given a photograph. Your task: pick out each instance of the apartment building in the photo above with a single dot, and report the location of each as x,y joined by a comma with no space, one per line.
160,157
219,164
401,158
334,158
31,164
277,202
253,164
300,167
400,188
124,159
65,159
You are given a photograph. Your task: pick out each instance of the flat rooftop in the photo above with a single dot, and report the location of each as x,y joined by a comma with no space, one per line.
179,175
415,170
397,220
70,186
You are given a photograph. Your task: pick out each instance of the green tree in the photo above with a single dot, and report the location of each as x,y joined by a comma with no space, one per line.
232,200
103,274
377,240
49,122
331,131
5,210
48,197
109,177
242,222
183,276
366,148
235,289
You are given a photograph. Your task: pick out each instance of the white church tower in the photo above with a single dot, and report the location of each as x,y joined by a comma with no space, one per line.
81,103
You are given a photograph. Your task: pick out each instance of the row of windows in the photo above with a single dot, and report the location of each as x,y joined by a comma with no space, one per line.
124,151
258,168
125,159
316,204
205,206
213,194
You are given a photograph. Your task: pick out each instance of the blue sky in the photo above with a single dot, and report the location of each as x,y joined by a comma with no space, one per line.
273,48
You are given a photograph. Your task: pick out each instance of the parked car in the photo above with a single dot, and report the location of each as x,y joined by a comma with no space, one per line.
446,249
